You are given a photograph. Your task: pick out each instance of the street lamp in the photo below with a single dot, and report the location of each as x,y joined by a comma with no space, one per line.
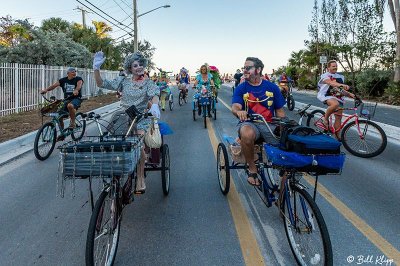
135,16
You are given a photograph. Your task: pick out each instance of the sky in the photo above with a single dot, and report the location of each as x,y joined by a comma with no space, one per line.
190,33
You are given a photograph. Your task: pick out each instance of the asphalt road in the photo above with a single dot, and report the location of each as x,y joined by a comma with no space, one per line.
196,224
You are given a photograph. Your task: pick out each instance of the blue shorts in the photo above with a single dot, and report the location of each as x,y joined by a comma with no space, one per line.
76,102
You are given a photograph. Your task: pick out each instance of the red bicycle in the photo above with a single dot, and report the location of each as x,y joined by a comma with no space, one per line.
359,135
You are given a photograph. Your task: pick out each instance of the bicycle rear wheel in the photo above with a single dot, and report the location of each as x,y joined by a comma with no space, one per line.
45,141
315,120
370,143
306,229
80,127
171,102
224,174
165,169
103,232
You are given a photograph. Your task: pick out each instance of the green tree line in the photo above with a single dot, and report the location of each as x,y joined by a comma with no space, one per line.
61,43
350,32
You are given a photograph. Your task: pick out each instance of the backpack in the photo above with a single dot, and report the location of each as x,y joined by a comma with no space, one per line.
305,140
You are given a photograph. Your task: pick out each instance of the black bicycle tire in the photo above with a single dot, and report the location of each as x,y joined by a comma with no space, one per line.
311,116
290,102
36,143
327,246
214,110
381,148
80,136
205,115
165,180
222,148
194,115
92,229
180,100
171,103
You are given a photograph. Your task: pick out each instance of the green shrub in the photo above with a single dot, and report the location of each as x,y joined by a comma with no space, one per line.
373,82
393,92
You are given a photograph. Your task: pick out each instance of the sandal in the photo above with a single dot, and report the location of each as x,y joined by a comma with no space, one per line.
254,176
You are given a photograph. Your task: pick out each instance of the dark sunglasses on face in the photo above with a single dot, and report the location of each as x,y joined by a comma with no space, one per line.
247,68
136,65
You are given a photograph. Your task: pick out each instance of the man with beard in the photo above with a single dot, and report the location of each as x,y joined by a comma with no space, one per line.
255,95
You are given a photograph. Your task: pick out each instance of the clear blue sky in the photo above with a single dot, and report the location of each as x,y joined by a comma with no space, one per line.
189,33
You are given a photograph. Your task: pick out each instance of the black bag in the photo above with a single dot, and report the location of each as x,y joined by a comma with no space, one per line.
306,140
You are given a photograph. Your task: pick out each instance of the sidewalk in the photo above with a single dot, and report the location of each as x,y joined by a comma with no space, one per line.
14,148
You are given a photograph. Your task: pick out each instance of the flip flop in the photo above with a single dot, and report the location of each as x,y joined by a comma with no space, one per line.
257,182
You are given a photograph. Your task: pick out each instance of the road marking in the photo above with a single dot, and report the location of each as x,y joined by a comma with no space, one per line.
248,243
381,243
373,236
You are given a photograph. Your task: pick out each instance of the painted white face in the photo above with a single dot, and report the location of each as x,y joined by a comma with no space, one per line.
137,69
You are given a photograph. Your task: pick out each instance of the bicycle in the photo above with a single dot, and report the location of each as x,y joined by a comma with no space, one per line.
202,102
46,136
171,101
304,224
182,93
286,90
361,137
112,158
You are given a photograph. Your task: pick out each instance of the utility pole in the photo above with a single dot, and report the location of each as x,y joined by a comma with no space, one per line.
135,30
83,15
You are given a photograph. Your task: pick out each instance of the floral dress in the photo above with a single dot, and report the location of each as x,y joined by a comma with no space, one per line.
137,93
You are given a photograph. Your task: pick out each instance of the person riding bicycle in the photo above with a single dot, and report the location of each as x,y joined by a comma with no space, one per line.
204,78
183,81
71,86
284,81
137,91
266,100
165,90
217,80
328,94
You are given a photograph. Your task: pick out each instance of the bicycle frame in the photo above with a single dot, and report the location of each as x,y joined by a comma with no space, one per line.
343,123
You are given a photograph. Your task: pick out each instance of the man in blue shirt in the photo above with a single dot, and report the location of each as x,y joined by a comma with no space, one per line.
266,100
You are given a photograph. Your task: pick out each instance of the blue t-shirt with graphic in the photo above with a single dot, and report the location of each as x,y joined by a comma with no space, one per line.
259,92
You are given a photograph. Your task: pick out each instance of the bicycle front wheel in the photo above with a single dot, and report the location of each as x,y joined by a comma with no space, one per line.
223,170
45,141
315,120
103,232
165,169
180,101
290,102
80,127
364,140
306,229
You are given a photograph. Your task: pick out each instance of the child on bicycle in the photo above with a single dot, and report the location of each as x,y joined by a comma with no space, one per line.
329,94
256,88
164,89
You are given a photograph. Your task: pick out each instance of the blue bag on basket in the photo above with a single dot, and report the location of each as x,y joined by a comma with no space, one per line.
318,163
165,128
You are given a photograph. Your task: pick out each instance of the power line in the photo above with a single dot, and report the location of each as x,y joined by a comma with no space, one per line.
106,14
103,17
129,16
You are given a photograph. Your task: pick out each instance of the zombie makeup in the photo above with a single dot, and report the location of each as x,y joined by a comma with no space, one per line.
137,68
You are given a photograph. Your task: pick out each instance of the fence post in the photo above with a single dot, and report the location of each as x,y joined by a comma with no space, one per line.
42,83
16,87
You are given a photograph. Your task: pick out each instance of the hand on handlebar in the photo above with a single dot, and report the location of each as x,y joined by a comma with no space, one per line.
242,115
43,91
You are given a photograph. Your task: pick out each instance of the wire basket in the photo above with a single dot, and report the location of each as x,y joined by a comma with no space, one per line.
100,157
50,107
367,110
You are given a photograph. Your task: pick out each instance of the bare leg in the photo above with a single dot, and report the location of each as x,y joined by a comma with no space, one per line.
71,111
332,106
338,122
247,139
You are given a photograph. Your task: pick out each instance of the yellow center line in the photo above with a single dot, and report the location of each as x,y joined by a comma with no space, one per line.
373,236
381,243
248,243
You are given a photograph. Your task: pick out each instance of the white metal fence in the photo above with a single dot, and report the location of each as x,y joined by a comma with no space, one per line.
20,85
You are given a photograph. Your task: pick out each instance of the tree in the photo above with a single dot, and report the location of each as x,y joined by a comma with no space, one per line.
352,31
394,8
102,29
56,25
12,32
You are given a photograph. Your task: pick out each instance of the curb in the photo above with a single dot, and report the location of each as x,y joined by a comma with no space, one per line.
15,148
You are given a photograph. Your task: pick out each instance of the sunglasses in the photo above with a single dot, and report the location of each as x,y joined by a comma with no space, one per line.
136,65
247,68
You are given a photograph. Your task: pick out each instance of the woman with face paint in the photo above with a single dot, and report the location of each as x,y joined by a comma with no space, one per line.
204,78
138,91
